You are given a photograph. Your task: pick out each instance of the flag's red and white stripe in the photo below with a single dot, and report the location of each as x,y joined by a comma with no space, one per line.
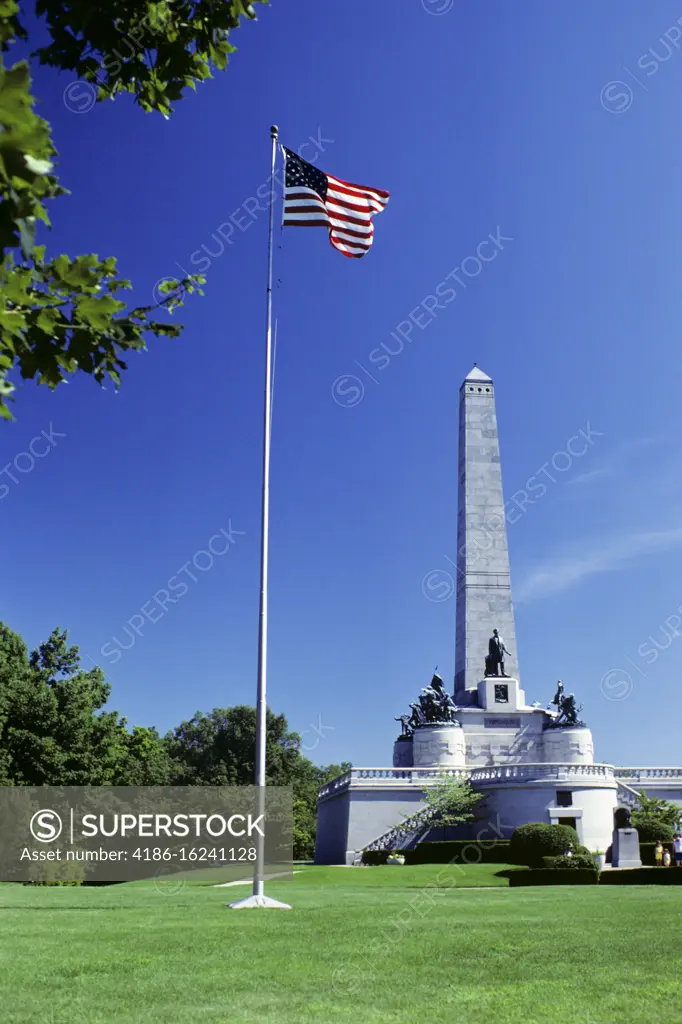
347,212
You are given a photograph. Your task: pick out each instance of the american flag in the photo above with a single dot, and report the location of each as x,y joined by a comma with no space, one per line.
313,199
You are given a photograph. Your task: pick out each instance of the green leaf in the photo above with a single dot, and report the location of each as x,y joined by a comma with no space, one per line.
97,311
47,320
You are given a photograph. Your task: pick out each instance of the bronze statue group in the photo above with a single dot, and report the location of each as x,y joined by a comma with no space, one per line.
436,707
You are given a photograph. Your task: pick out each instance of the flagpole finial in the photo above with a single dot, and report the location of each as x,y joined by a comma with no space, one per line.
274,131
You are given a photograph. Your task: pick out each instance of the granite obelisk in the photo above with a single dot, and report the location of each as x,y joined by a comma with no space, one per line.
484,600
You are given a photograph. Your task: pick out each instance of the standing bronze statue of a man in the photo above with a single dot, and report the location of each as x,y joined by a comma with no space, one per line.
494,662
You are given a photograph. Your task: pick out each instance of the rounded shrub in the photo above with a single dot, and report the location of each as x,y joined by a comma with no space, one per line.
531,842
557,876
566,837
56,873
651,831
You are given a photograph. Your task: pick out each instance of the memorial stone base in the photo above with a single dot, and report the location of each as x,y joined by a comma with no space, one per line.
438,746
625,848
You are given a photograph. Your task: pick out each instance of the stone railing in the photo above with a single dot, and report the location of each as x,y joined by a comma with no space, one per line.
381,777
522,772
540,771
648,774
407,777
407,774
335,786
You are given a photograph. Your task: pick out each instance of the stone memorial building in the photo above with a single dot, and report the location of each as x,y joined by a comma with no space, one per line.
532,762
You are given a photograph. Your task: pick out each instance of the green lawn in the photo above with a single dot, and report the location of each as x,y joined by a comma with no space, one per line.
420,945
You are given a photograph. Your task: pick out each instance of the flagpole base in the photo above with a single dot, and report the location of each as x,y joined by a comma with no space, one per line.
258,901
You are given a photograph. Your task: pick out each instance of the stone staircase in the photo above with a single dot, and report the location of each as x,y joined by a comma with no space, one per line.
627,796
401,837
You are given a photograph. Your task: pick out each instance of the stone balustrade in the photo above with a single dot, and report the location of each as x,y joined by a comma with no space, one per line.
529,772
398,777
647,774
407,777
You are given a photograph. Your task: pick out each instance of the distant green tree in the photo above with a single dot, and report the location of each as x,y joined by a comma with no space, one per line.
53,729
305,826
61,316
219,749
13,669
306,787
655,818
143,759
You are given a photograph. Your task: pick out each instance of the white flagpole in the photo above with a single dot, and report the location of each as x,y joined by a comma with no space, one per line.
258,898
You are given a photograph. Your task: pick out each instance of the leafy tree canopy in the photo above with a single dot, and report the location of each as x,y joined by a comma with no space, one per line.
218,749
454,801
63,315
306,789
655,818
153,50
55,731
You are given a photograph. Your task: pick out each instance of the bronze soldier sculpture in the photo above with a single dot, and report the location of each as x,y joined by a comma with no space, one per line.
558,696
567,709
434,707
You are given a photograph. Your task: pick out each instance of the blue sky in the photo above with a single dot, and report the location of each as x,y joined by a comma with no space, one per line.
555,128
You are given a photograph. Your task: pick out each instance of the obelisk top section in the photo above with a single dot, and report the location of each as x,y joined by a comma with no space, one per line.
484,600
477,376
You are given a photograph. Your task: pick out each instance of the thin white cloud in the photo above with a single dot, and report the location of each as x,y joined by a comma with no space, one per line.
617,463
643,442
590,477
572,567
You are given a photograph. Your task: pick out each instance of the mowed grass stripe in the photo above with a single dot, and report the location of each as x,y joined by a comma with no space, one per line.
352,948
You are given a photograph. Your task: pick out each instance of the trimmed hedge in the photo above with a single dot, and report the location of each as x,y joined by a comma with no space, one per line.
375,857
582,876
499,852
467,851
53,882
576,862
549,876
642,876
647,853
535,840
650,832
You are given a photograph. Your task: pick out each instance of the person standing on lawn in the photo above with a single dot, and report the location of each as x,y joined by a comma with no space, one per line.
666,858
658,852
677,847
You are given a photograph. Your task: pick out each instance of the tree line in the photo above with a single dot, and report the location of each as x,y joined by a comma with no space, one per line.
56,730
